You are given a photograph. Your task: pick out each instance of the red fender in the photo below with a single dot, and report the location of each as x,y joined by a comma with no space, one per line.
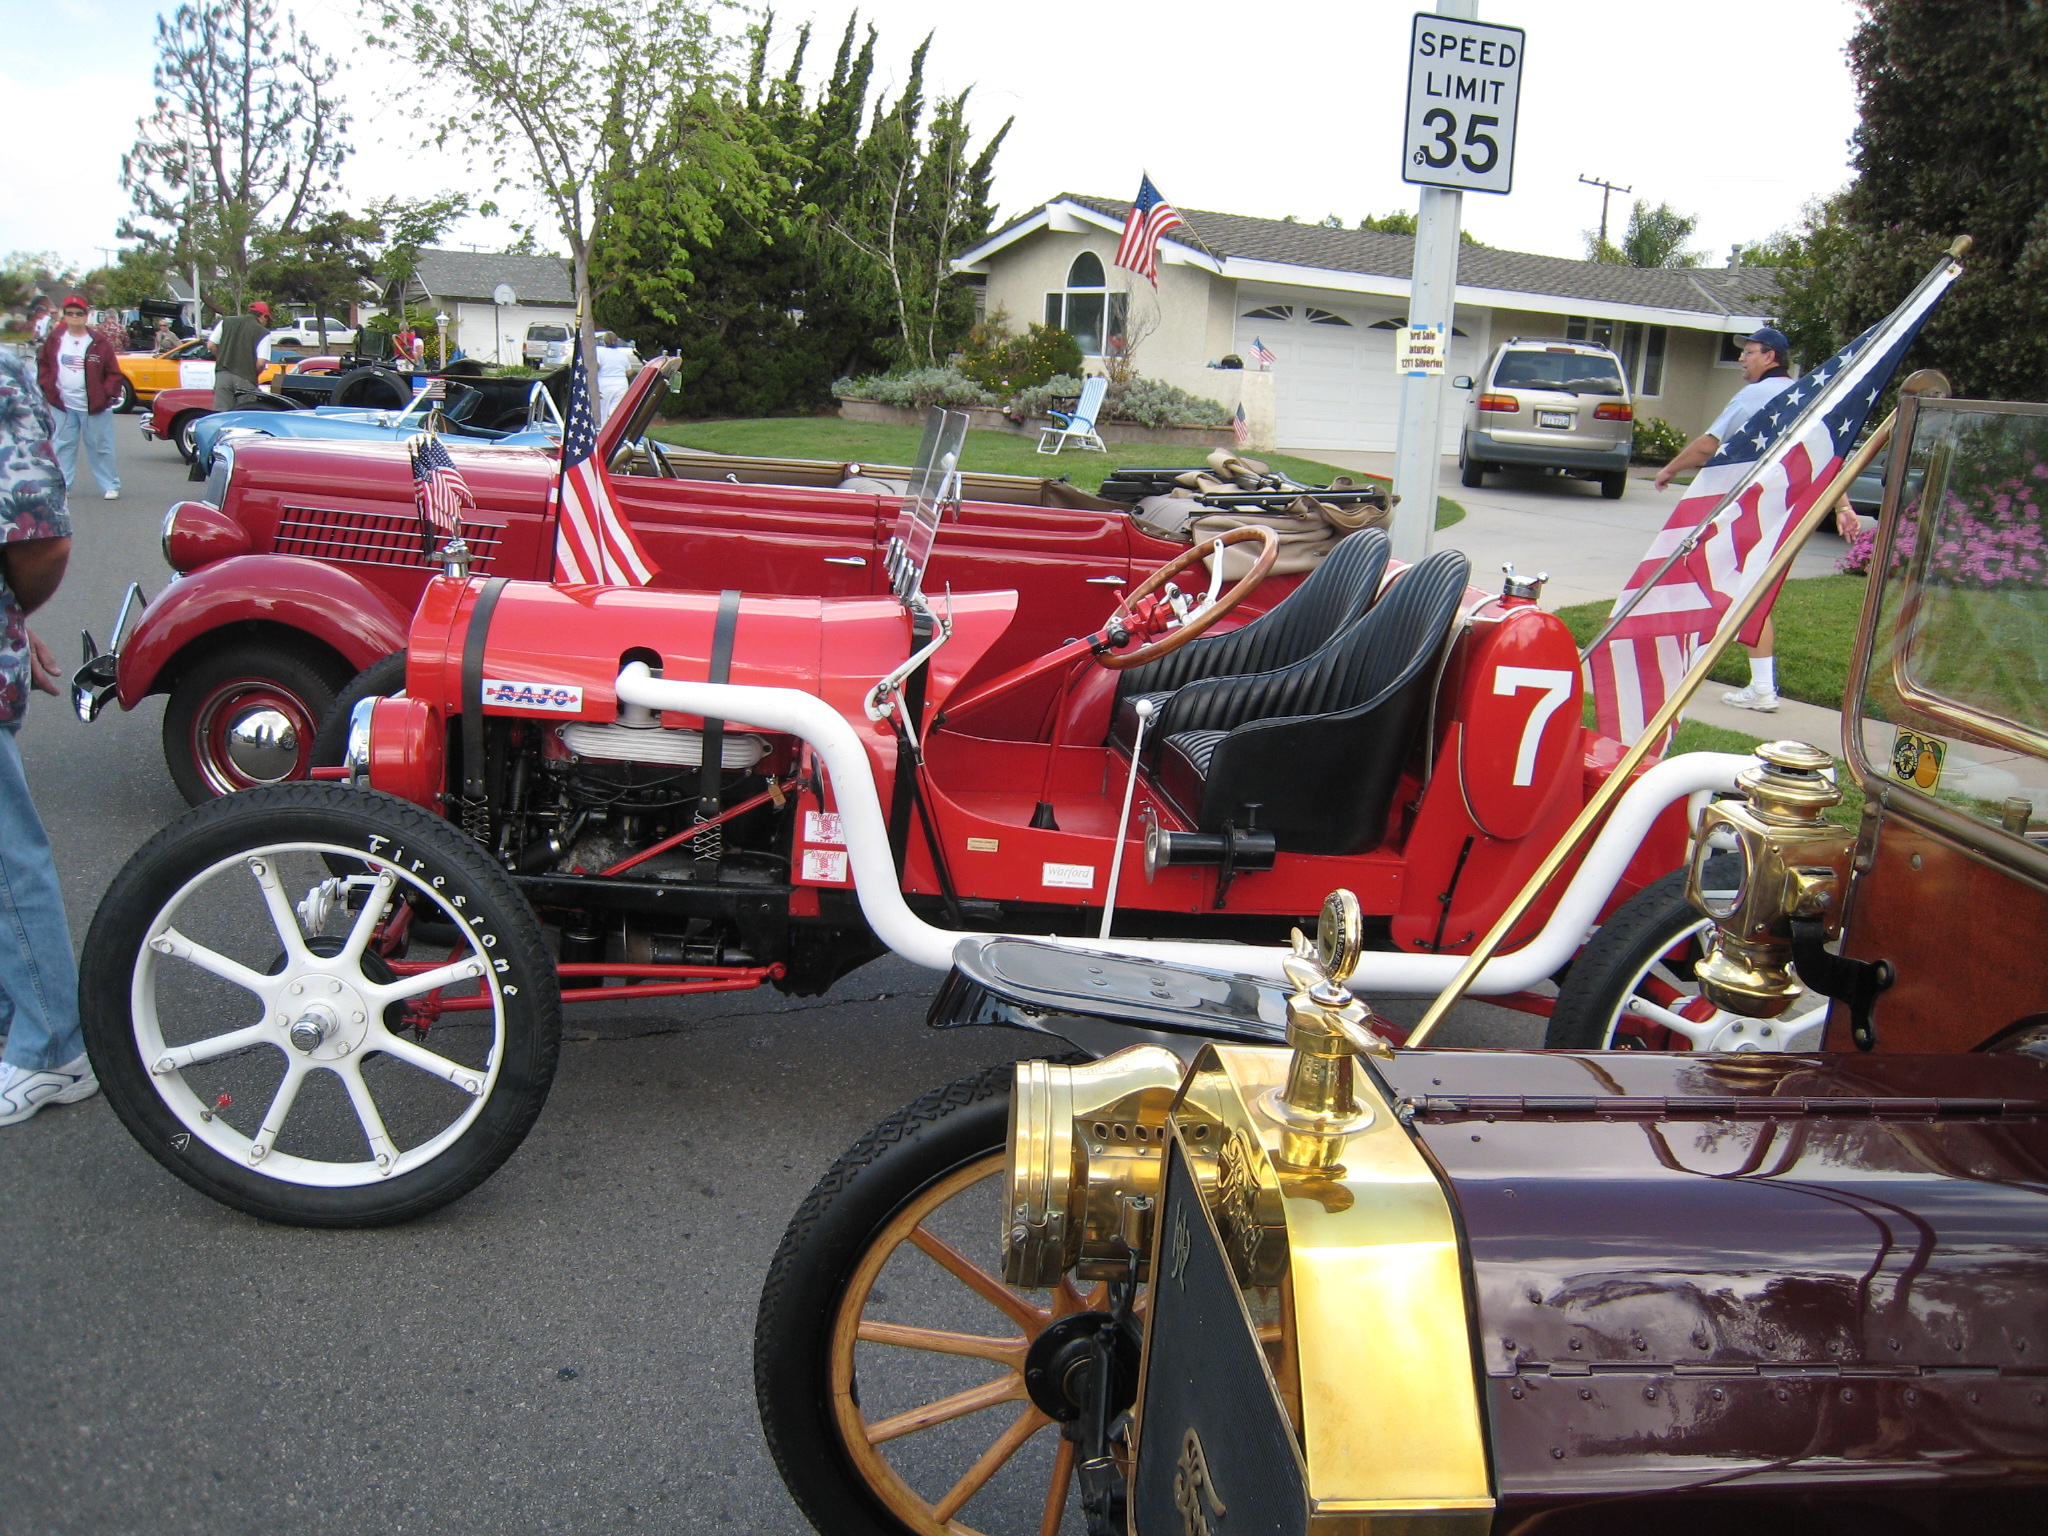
318,600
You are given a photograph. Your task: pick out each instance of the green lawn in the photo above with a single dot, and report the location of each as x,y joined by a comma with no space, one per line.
1817,620
1697,736
830,437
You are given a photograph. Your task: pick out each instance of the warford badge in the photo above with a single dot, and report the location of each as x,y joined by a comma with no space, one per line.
1194,1495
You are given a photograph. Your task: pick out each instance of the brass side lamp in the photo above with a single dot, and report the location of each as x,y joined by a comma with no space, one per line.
1326,1025
1792,866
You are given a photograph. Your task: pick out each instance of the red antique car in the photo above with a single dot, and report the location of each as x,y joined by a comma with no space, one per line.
299,565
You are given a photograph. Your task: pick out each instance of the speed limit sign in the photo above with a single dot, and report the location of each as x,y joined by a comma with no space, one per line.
1464,87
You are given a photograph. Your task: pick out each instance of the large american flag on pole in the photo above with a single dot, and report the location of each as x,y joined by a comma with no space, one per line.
593,543
1738,510
1151,216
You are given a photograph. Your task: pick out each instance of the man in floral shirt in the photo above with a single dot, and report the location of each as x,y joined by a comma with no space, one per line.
45,1061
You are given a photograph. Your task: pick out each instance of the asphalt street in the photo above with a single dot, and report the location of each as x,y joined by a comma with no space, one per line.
567,1349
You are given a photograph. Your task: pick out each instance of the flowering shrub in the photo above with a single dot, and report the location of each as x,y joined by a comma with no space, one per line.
1993,538
1656,441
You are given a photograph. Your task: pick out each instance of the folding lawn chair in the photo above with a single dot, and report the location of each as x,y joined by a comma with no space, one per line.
1080,424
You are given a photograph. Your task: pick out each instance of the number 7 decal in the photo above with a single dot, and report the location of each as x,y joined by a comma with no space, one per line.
1556,686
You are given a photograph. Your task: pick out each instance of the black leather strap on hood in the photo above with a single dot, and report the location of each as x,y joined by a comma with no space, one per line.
473,790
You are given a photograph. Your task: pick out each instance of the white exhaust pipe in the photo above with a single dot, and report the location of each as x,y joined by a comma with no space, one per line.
881,900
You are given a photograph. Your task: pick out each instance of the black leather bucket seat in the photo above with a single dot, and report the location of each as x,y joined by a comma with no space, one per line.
1330,599
1318,746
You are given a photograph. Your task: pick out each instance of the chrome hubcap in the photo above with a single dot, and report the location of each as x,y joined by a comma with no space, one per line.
263,744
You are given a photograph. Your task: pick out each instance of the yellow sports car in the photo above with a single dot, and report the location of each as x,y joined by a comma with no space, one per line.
189,365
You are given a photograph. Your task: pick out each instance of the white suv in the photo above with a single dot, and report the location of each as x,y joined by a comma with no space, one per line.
1561,406
546,345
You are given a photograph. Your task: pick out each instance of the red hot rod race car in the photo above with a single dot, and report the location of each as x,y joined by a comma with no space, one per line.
692,791
298,566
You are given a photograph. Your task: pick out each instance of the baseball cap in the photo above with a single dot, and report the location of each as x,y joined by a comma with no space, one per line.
75,302
1773,338
263,309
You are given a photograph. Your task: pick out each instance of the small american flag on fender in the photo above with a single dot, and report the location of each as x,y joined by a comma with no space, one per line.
438,491
594,545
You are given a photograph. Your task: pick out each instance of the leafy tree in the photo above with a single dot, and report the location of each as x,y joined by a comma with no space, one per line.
24,274
839,260
321,267
401,226
245,137
1808,262
573,99
1655,238
137,274
1952,95
1403,223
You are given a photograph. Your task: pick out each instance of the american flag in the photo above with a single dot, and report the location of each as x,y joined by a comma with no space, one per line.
1738,509
1242,426
438,490
1151,216
1263,353
593,544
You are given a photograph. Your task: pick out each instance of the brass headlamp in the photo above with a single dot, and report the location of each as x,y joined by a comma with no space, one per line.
1790,864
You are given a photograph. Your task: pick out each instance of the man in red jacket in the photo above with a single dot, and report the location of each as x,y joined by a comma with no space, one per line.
80,375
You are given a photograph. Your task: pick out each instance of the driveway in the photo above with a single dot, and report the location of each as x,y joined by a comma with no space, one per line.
1588,544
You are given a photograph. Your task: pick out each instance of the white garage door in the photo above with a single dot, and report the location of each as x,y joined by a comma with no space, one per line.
1334,382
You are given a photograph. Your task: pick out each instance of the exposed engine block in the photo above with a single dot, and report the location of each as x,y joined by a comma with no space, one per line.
653,744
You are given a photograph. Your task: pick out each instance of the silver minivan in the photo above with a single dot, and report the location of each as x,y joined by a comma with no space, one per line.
1553,405
546,345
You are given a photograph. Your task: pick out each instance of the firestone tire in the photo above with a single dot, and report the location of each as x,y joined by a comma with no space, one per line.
245,716
1656,925
950,1140
150,959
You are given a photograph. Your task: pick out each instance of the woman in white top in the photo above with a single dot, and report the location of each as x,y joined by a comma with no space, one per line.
616,364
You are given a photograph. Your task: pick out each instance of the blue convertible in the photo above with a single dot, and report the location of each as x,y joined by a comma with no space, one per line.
461,408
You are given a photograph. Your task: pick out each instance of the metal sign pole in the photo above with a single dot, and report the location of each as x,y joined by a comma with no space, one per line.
1418,447
1433,288
1464,96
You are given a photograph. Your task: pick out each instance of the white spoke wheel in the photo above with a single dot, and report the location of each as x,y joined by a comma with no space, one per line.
889,1357
283,1039
1646,953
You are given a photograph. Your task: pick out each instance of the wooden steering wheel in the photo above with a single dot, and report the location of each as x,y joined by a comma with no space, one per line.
1137,616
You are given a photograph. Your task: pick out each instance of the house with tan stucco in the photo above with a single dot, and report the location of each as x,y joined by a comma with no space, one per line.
1326,303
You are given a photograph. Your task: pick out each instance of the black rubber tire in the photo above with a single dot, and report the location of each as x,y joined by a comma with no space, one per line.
371,387
1644,927
380,679
464,368
124,402
922,1143
1471,473
1611,486
309,680
329,813
181,431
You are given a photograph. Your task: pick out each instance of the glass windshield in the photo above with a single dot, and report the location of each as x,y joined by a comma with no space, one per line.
1573,372
1955,703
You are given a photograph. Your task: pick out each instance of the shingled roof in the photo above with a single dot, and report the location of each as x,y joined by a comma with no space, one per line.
476,275
1706,291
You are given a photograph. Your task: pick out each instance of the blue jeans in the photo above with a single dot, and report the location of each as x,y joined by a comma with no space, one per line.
38,977
98,432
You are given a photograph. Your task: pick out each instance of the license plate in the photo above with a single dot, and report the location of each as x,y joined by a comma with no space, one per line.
1554,419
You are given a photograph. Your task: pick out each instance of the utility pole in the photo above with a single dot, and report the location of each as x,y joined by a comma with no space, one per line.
1606,188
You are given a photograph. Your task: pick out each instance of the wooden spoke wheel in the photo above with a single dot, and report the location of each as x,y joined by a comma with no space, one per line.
891,1359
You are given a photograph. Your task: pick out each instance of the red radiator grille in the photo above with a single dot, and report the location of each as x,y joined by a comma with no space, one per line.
373,538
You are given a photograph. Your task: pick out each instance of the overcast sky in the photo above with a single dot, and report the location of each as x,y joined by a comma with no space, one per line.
1739,111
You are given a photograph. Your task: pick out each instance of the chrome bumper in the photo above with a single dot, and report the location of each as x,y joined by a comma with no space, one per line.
93,683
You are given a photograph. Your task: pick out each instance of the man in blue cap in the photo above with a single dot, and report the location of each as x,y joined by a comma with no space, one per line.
1766,371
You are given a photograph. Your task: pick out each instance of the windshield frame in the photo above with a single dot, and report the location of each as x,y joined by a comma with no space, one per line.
1957,717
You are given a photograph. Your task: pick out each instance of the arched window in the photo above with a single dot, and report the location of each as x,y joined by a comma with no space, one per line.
1085,308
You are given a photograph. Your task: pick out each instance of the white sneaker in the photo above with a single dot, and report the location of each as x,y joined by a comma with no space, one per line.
111,496
23,1092
1752,697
